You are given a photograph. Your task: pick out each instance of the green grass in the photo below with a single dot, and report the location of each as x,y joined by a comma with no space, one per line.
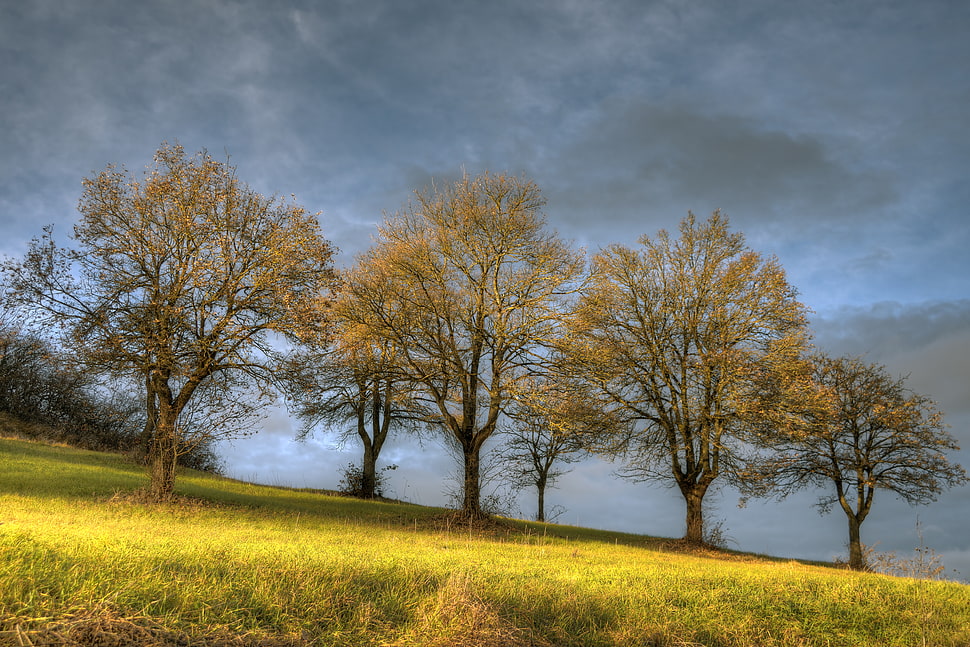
276,566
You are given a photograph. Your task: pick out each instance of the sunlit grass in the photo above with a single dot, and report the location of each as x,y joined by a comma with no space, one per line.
272,563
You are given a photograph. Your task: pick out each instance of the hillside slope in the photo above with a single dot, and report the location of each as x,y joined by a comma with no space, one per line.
82,561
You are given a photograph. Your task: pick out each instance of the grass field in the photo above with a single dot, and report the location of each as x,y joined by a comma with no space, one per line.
82,561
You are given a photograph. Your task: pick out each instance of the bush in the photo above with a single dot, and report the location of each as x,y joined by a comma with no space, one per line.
355,484
57,402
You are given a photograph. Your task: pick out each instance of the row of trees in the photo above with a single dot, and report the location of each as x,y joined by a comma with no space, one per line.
688,357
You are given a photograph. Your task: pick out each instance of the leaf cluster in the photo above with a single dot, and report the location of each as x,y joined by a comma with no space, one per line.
468,286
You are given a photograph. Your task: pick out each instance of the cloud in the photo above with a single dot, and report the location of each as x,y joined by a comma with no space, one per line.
956,563
642,160
273,456
889,328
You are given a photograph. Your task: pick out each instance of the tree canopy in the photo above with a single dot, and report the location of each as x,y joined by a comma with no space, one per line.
676,339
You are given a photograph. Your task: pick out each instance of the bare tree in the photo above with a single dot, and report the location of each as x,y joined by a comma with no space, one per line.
539,438
677,338
176,280
353,388
859,430
468,286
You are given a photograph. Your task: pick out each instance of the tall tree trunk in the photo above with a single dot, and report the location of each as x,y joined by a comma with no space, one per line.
147,437
857,560
368,485
695,517
541,487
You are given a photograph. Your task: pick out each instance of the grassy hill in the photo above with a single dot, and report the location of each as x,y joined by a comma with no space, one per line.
82,561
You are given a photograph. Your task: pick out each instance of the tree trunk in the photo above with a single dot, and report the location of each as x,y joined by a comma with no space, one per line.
541,487
147,437
368,484
471,504
857,560
695,516
541,514
162,458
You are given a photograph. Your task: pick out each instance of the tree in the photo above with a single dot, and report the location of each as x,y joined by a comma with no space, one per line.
31,380
181,279
468,286
539,438
859,430
676,339
352,386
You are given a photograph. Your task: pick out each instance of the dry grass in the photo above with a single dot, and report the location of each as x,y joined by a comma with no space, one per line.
88,627
104,627
456,616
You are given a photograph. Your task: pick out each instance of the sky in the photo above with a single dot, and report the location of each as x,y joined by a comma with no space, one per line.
834,135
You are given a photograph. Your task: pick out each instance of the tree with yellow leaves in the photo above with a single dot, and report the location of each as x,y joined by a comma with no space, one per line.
546,423
183,281
858,430
352,387
469,287
677,339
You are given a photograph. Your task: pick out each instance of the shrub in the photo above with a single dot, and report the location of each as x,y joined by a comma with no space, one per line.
355,482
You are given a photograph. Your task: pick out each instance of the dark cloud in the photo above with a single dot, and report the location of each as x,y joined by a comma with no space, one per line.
889,328
927,344
647,161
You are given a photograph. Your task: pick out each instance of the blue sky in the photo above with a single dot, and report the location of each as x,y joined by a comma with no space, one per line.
833,134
